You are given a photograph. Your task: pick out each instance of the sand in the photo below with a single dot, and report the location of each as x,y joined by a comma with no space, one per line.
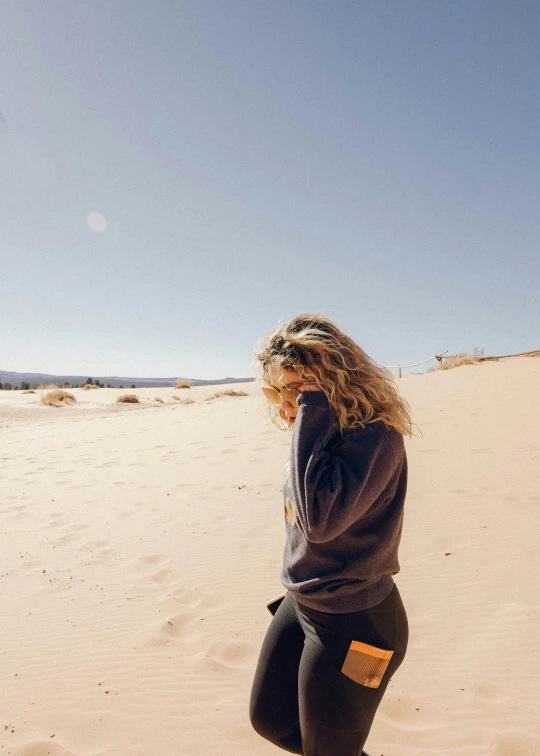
141,542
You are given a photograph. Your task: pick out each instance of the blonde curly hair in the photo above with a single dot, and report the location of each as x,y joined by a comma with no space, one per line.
359,390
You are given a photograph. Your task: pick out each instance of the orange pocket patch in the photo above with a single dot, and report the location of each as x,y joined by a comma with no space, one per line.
366,664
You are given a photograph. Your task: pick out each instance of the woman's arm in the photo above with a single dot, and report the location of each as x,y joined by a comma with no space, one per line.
334,489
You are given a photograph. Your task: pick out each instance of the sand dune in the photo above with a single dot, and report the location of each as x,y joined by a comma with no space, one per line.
140,543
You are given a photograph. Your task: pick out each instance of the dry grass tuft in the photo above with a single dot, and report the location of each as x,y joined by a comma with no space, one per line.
132,398
228,392
29,391
158,399
57,398
184,401
48,386
182,383
88,386
463,358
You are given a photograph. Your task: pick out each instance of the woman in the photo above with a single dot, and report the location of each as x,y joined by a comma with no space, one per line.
341,630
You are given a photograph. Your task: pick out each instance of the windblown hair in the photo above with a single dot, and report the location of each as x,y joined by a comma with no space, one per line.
359,390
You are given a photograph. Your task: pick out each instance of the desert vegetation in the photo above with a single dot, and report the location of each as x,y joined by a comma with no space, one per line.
88,386
184,401
227,392
465,358
158,399
182,383
454,360
130,398
58,397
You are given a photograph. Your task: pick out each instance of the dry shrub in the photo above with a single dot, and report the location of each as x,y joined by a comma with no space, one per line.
88,386
184,401
29,391
48,386
228,392
133,398
158,399
182,383
58,397
463,358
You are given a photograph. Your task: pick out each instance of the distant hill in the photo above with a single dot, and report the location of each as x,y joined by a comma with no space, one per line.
116,381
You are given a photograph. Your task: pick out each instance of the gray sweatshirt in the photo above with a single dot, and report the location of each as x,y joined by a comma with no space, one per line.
344,502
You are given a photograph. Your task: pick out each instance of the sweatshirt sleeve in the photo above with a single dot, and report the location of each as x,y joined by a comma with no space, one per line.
334,489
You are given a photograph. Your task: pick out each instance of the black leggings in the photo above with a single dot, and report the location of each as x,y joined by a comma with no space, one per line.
301,699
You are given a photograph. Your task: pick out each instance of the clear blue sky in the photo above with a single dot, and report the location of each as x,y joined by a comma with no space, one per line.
375,161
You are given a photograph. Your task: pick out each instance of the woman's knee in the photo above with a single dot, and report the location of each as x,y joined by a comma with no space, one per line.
262,724
262,717
256,716
270,725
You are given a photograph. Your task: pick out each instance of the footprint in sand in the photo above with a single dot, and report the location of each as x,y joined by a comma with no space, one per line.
98,549
98,544
162,576
72,534
16,512
224,517
232,654
182,627
153,559
179,626
192,598
42,748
